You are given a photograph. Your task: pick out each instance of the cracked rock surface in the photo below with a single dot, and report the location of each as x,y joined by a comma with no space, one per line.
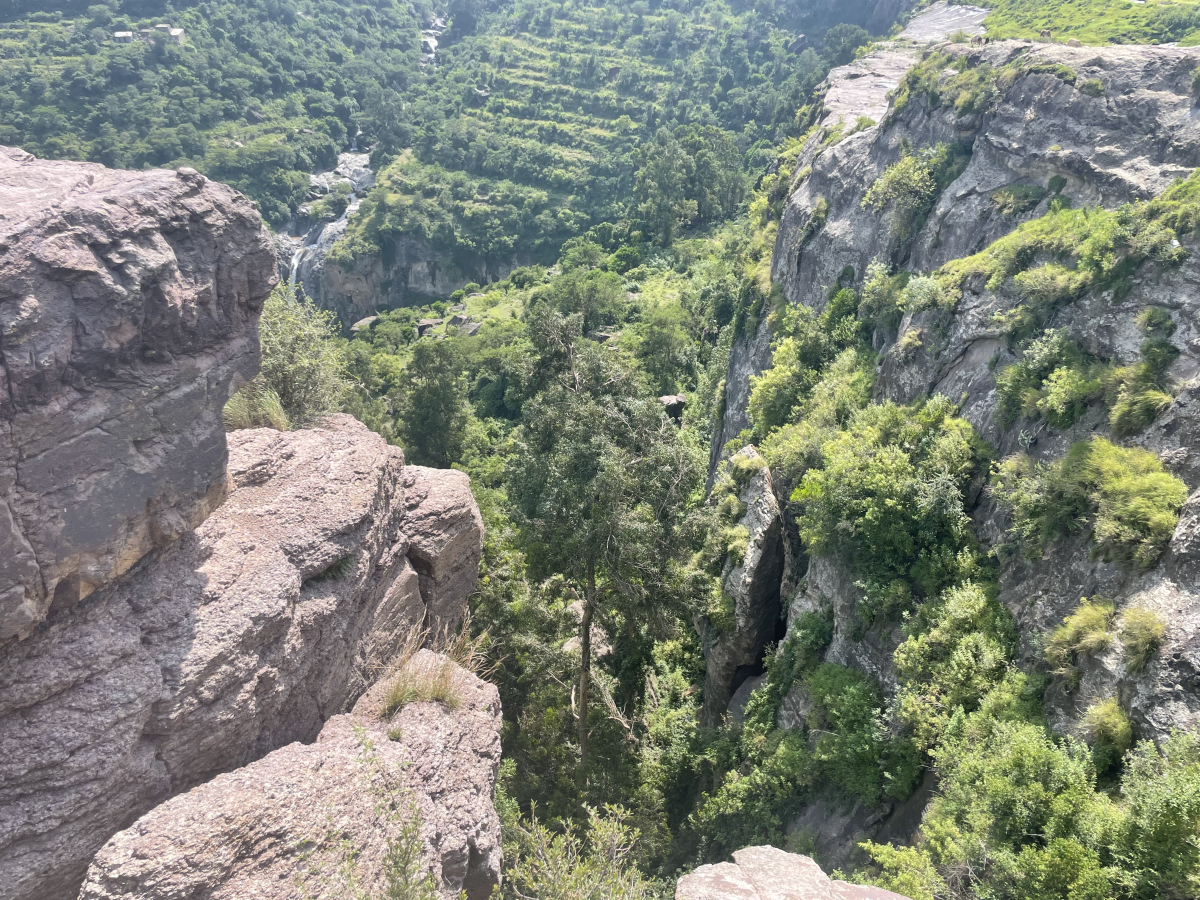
319,820
129,306
245,635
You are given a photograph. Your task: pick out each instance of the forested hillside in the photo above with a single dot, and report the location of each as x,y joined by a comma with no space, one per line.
838,470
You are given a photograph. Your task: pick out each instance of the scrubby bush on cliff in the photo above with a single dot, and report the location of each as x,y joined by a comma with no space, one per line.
958,648
1086,631
1126,497
1054,379
1055,258
808,342
889,499
1018,815
303,375
907,189
1141,631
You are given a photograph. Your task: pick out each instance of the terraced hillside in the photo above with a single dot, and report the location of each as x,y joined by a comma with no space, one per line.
553,117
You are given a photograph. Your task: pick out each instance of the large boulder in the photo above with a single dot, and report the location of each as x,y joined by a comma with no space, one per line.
768,873
129,305
243,636
375,798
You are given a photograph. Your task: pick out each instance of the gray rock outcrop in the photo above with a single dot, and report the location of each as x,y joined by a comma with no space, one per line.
331,819
1129,142
243,636
753,586
768,873
129,305
1128,139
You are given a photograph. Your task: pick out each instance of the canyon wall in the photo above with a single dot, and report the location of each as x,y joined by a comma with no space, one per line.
1098,127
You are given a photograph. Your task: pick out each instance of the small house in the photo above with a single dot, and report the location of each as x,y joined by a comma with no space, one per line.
122,37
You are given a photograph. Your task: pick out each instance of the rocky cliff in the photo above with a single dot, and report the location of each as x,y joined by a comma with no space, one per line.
192,636
128,314
382,798
1097,128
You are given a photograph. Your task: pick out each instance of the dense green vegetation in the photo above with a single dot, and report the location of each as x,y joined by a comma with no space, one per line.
259,94
553,117
646,151
601,546
1096,21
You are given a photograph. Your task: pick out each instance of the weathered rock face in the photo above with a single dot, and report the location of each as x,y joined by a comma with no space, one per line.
1128,140
245,635
288,824
768,873
753,586
128,313
1131,142
408,271
749,356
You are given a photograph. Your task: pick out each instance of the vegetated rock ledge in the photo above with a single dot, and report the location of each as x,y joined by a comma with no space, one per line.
129,306
321,820
243,636
1098,127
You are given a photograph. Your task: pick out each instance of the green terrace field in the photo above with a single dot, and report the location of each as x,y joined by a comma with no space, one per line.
550,112
1097,21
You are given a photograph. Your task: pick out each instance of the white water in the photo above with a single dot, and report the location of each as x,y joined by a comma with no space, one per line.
429,38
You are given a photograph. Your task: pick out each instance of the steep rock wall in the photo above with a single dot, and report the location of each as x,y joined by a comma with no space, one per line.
752,585
1128,137
245,635
129,306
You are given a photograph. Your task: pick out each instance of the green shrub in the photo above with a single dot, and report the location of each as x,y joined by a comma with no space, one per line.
882,301
1137,393
889,499
1021,814
806,345
798,655
923,292
594,863
255,406
743,466
1054,379
1056,257
908,188
1016,199
1088,630
958,648
1110,731
854,750
1131,503
753,803
1058,70
846,387
301,360
970,90
816,221
1093,87
1142,632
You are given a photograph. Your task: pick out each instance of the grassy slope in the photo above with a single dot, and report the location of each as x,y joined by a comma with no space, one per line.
1090,21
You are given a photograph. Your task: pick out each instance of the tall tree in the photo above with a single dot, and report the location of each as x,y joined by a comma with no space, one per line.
601,479
661,189
431,404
